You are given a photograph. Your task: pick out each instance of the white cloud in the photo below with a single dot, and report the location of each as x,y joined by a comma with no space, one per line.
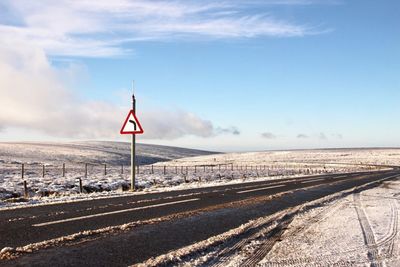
268,135
164,124
33,96
101,28
230,130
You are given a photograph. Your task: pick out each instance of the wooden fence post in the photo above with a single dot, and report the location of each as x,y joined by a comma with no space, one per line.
86,170
122,169
152,169
63,170
165,169
105,169
80,186
25,189
43,170
22,170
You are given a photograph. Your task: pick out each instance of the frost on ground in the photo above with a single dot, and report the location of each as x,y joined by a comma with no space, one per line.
47,181
360,229
353,228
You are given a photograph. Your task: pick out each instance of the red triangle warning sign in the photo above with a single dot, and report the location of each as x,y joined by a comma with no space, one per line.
131,125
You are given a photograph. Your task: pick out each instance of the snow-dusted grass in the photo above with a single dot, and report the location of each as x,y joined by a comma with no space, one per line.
54,187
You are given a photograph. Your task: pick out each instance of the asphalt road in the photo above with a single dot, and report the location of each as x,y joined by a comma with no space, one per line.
29,225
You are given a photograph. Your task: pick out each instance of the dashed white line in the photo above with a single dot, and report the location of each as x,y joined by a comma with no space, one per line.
259,189
114,212
310,181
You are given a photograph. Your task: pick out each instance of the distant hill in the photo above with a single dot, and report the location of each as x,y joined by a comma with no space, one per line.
91,151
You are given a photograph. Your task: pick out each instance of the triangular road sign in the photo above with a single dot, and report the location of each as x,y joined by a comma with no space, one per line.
131,125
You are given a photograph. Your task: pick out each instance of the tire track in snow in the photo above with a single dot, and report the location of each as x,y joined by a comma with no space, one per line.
274,236
368,234
235,246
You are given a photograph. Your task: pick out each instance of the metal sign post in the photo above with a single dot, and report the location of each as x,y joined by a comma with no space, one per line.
133,150
132,126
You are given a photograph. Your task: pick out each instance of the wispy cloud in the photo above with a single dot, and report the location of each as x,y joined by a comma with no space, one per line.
230,130
322,136
102,28
302,136
268,135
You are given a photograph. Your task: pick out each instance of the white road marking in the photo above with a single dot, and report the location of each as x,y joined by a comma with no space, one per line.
115,212
310,181
259,189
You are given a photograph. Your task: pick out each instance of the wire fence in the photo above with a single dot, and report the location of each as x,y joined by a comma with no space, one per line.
46,179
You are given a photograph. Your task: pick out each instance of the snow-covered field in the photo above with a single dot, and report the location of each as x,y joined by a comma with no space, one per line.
172,168
375,156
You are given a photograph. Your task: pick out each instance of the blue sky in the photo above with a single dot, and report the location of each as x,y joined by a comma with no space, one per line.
218,75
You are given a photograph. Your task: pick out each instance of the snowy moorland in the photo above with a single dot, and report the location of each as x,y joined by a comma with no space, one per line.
53,171
374,156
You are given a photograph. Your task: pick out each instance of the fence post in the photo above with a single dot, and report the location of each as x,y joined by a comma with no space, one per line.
25,189
195,168
186,170
152,169
165,169
122,169
63,170
22,170
219,167
86,171
137,169
176,169
181,169
43,171
105,169
80,186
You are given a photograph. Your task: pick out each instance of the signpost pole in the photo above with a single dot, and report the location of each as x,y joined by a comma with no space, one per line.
133,154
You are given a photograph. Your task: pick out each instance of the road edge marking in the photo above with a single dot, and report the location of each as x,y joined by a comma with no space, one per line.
262,188
114,212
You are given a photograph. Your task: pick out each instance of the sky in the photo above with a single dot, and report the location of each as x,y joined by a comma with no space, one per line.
239,75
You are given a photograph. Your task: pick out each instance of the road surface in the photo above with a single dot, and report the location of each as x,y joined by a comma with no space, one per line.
24,226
